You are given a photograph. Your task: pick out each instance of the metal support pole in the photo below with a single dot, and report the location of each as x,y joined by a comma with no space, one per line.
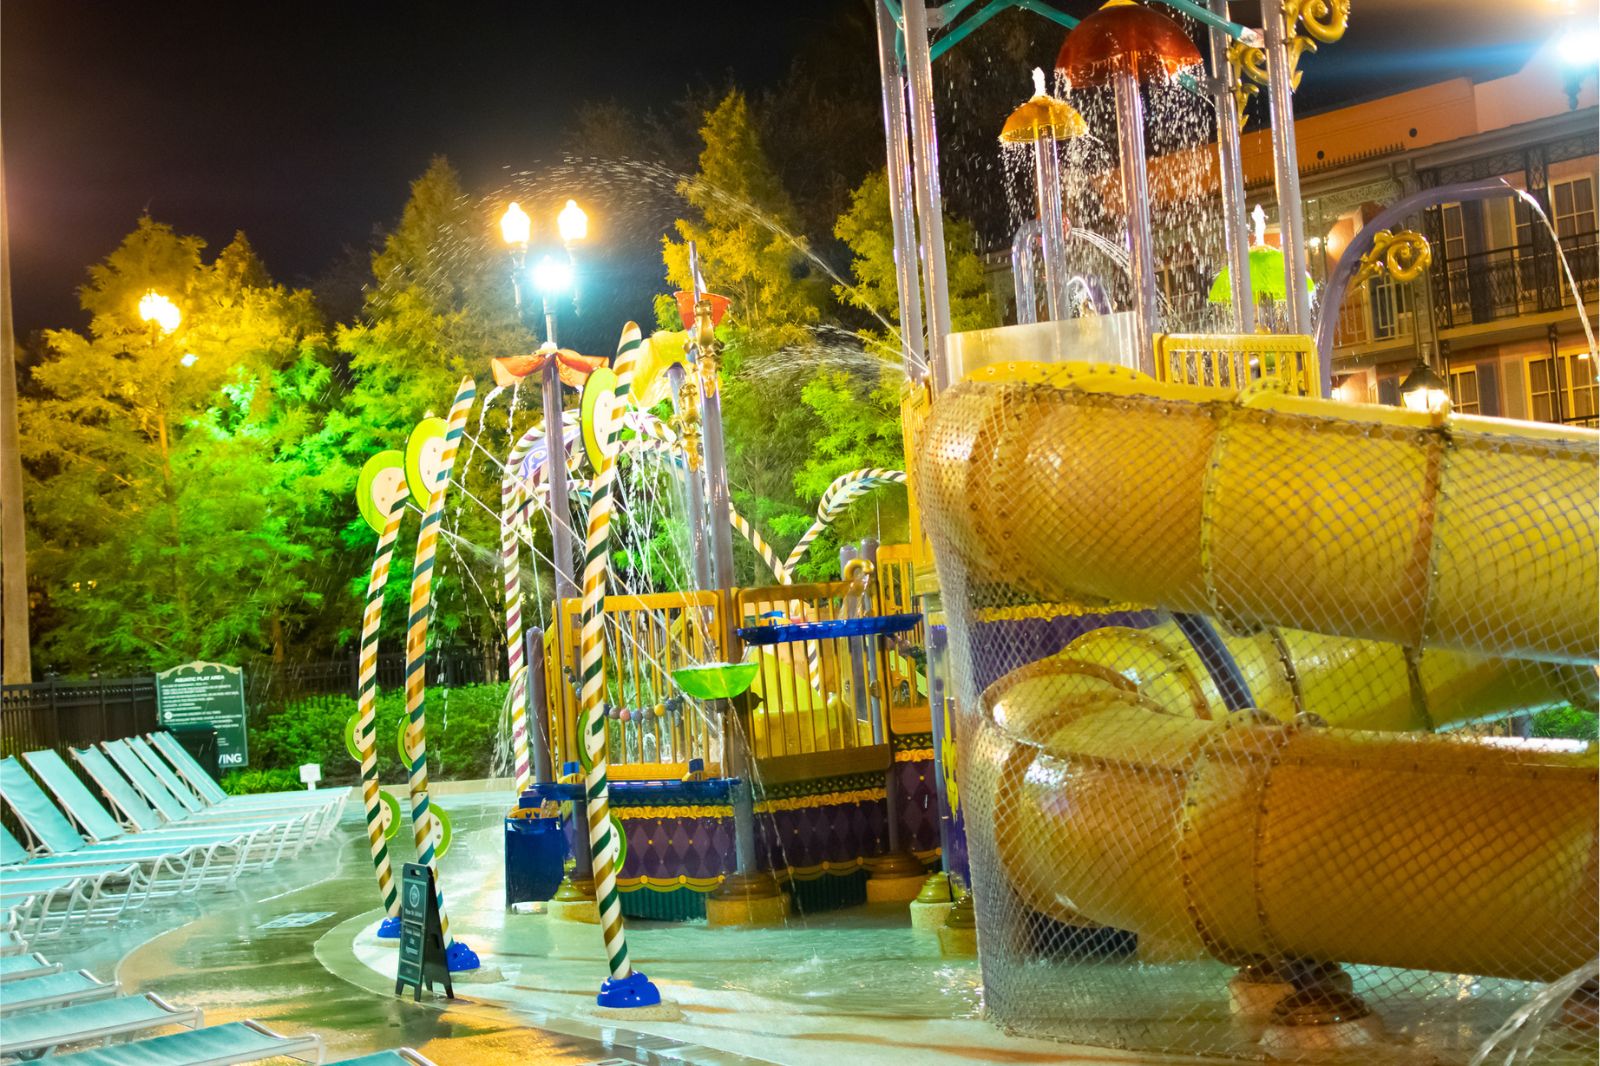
555,470
694,488
721,527
1286,169
741,767
1235,229
1022,272
930,200
902,207
938,648
1047,193
538,704
872,649
1135,194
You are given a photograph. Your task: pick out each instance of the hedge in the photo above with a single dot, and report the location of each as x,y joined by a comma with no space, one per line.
462,727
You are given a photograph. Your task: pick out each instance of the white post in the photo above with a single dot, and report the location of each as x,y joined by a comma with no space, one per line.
930,200
1135,193
1235,235
1286,169
902,206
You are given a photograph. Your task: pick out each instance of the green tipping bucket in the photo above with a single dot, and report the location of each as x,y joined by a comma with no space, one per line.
716,681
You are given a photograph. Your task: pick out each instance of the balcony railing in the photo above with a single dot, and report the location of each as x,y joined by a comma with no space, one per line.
1505,283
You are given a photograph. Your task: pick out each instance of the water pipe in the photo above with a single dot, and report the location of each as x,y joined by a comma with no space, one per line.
538,705
902,205
1350,260
1286,170
1230,171
1047,197
1022,245
1135,196
1093,293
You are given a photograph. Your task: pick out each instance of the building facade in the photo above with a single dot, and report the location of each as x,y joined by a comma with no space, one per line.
1497,312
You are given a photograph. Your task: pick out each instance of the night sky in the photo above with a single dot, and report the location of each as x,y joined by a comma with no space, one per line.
303,123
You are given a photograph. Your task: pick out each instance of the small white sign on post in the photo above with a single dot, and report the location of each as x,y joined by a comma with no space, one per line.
310,774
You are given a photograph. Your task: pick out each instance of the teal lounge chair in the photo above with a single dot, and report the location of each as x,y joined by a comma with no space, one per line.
263,846
22,967
130,803
11,943
402,1056
45,898
172,809
36,1032
210,793
321,809
55,990
206,788
173,866
217,1045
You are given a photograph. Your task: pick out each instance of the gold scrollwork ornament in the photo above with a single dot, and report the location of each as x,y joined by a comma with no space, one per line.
1403,255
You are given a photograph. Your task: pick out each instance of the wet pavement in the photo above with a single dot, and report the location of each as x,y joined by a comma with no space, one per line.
253,953
295,949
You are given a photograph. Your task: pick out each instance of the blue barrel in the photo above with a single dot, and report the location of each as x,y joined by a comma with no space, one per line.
536,852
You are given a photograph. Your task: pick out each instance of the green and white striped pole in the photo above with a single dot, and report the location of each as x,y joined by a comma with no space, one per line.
366,710
625,988
458,955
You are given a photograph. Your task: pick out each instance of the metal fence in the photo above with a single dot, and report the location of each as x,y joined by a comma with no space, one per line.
58,713
63,712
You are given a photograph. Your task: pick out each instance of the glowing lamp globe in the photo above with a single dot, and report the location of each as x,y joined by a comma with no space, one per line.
1125,38
157,309
1579,48
1423,390
552,275
572,222
515,226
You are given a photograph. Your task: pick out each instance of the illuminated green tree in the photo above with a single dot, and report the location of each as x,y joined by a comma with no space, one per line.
440,306
173,495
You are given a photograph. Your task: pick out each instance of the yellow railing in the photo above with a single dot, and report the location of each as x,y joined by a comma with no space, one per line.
803,720
807,690
647,637
1234,360
903,675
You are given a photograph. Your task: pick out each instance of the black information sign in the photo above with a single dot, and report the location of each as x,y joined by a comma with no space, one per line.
207,694
422,960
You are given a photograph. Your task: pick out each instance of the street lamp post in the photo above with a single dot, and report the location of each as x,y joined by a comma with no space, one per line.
551,277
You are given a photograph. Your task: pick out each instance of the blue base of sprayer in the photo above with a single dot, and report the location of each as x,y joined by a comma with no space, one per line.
389,928
634,990
459,957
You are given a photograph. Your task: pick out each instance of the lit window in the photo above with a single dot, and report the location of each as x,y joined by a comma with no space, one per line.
1464,390
1563,389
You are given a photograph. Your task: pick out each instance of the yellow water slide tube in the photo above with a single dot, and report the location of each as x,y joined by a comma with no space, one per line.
1451,560
1474,534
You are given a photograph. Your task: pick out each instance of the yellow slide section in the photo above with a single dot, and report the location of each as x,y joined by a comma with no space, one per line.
1119,791
1476,534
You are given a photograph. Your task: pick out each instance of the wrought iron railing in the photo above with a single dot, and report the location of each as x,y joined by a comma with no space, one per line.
1504,283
